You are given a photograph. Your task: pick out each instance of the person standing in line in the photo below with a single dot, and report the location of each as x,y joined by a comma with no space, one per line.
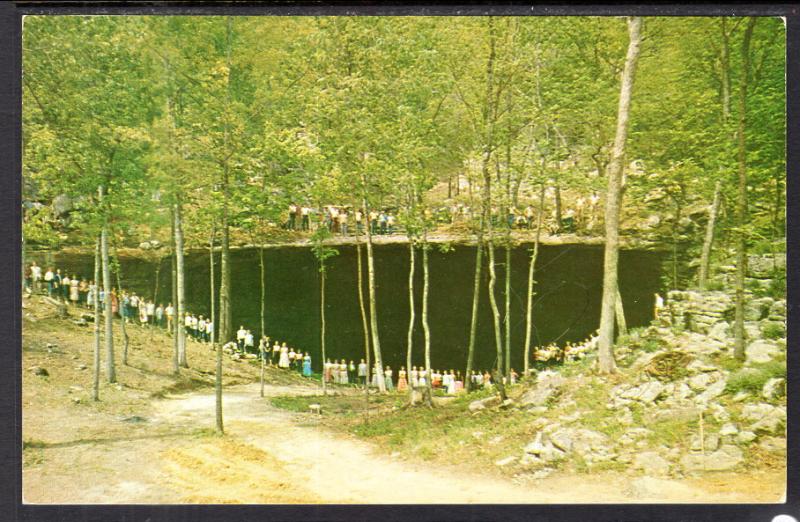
513,376
241,333
423,377
459,382
249,342
210,330
83,291
90,297
36,277
387,378
351,372
342,218
414,377
74,292
114,302
66,283
160,315
134,306
373,222
362,373
57,279
291,358
487,380
390,221
298,355
326,371
48,278
334,214
151,312
201,328
307,365
382,222
304,212
402,383
451,383
142,314
263,348
276,353
359,217
284,360
292,216
169,312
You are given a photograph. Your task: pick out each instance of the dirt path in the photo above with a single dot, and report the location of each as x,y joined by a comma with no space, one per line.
271,455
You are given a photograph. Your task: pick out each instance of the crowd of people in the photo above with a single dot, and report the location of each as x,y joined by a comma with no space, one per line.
346,220
132,308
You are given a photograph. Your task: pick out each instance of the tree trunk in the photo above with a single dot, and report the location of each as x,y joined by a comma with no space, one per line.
557,197
176,369
507,315
96,297
322,322
725,70
180,279
619,313
473,325
613,202
111,374
425,328
373,308
705,257
362,308
214,336
531,274
741,202
263,302
155,290
125,338
411,314
225,312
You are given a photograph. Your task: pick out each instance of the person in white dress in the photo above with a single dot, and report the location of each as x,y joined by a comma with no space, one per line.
284,360
451,383
414,377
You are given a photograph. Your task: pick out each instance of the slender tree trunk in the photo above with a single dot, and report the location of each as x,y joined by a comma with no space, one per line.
725,72
155,289
362,308
217,346
411,314
176,369
225,312
96,298
531,274
322,322
619,313
180,278
473,325
263,302
507,315
263,329
425,328
613,203
125,338
708,241
741,202
111,374
558,206
373,308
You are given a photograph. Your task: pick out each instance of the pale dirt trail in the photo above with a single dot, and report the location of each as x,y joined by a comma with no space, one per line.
274,455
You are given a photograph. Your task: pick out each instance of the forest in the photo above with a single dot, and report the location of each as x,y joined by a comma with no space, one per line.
200,133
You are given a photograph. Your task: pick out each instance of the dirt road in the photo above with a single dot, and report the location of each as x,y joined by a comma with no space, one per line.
274,456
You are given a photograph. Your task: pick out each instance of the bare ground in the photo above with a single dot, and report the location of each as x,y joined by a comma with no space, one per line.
152,441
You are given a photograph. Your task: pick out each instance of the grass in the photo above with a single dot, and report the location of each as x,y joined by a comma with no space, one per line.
753,379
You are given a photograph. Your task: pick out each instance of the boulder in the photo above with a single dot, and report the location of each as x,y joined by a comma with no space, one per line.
777,311
765,418
506,461
745,437
711,442
544,391
761,351
698,366
712,392
476,406
774,388
680,414
728,429
651,463
765,266
725,458
647,392
700,382
720,331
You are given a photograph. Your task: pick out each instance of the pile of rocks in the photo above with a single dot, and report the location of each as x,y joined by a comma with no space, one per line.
696,311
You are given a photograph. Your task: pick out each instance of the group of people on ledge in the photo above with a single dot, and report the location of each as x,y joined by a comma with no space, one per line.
342,219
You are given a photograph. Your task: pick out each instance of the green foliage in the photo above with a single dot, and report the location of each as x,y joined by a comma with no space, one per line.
752,379
774,331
